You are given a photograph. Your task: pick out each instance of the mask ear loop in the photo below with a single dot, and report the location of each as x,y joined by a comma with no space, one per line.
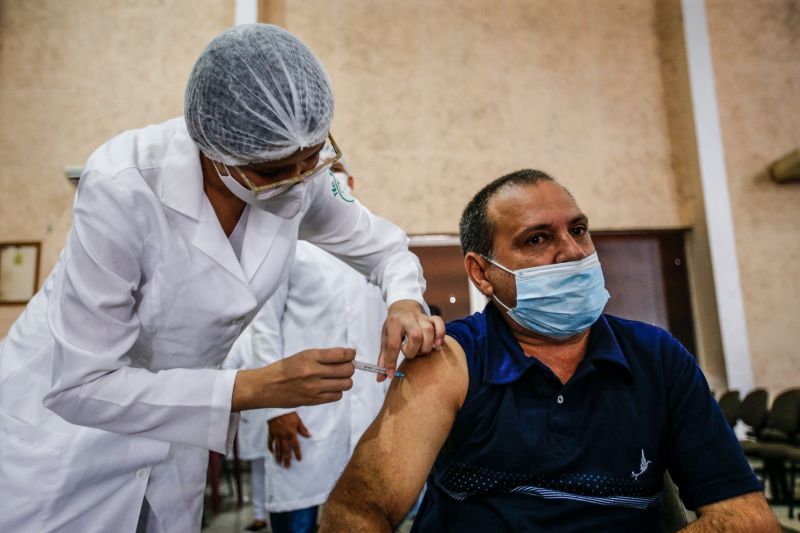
501,267
498,265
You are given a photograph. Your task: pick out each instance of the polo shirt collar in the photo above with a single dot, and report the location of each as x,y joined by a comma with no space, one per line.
506,362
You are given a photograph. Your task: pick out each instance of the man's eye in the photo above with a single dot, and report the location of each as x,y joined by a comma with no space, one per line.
536,239
579,230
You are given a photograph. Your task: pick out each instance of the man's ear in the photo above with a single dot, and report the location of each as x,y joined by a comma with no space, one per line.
476,271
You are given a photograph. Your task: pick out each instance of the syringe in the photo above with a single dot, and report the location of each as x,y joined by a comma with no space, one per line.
375,368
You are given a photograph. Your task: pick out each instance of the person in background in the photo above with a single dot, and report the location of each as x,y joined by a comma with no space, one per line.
111,393
252,432
541,413
323,302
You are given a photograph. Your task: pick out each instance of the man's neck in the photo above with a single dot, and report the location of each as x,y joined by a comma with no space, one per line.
560,356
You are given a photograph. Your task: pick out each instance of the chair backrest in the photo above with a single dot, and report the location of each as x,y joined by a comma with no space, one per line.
784,415
731,405
753,410
674,516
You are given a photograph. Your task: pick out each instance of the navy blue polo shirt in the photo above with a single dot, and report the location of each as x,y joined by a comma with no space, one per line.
527,453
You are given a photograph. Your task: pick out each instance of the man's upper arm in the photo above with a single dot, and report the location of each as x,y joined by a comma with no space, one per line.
393,458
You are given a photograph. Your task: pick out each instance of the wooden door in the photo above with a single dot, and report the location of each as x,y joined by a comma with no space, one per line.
646,275
443,265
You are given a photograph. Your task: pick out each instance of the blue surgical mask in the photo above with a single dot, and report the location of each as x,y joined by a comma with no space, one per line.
558,300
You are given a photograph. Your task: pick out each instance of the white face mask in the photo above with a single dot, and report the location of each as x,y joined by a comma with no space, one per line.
285,202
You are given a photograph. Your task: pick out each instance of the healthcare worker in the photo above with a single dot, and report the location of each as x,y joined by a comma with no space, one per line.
311,445
252,432
110,389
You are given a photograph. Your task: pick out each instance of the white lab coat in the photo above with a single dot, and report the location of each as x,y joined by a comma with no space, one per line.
323,303
109,383
252,432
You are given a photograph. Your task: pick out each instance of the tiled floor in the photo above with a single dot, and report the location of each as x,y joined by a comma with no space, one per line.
233,520
789,524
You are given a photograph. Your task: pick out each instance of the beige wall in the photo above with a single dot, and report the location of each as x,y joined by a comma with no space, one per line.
73,74
756,53
435,98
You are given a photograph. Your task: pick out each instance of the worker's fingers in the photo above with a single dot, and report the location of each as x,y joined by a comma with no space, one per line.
336,370
428,330
326,397
414,336
440,331
278,451
295,444
391,340
335,355
286,452
336,385
302,429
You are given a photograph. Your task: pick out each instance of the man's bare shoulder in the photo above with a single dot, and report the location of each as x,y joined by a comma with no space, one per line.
442,373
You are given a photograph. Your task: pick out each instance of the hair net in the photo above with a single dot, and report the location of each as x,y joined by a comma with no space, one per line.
256,94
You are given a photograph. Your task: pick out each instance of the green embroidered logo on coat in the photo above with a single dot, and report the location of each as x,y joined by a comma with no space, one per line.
341,192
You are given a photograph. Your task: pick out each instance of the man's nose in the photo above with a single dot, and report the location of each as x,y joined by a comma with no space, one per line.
569,250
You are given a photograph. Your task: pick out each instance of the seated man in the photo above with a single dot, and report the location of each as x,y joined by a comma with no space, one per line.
540,413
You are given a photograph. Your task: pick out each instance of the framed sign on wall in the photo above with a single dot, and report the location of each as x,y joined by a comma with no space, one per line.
19,271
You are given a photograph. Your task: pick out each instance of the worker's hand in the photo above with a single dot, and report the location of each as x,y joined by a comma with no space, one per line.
283,439
409,329
310,377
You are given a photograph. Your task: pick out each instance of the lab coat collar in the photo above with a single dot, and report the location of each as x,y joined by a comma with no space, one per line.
262,230
210,238
182,190
181,174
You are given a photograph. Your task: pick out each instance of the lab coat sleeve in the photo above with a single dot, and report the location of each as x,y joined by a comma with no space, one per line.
340,225
267,338
93,320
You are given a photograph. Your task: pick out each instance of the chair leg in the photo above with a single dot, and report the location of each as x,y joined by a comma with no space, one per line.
226,475
792,480
214,470
237,472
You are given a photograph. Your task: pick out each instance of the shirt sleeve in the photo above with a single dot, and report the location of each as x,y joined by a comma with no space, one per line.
340,225
703,455
92,317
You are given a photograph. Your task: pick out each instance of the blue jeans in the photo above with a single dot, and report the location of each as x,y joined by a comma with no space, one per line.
299,521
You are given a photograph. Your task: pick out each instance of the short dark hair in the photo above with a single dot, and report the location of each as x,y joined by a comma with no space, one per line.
475,230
